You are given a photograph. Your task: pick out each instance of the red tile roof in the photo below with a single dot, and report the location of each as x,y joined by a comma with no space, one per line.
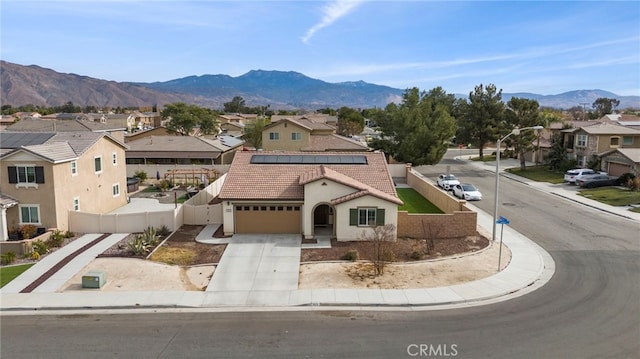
247,181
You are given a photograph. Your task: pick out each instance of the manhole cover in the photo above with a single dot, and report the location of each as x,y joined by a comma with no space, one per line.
509,204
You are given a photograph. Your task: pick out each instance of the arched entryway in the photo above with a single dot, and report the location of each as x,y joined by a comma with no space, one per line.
323,220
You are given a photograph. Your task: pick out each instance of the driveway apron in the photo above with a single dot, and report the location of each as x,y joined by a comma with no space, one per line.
257,269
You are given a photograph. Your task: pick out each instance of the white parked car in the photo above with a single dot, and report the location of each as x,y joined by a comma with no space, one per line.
575,174
446,182
467,192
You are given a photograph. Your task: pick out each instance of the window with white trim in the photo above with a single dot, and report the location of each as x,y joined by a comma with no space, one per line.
114,159
76,204
274,136
115,189
74,167
366,216
26,174
296,136
97,164
627,140
581,141
29,214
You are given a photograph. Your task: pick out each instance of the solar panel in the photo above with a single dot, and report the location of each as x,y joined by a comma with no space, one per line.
18,139
309,159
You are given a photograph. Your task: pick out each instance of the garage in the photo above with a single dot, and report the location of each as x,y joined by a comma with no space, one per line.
268,218
617,169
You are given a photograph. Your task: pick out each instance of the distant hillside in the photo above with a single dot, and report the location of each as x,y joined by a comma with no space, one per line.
23,85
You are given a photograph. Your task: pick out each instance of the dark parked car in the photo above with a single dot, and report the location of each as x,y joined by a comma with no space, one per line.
597,181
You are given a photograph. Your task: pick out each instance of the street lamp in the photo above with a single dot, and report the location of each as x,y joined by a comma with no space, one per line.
516,131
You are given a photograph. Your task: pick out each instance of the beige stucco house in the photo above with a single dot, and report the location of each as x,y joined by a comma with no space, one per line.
338,194
48,174
620,161
588,142
305,135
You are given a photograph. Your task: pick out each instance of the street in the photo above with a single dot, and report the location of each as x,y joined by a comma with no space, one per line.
589,309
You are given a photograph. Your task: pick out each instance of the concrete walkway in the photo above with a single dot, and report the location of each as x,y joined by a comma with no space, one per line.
68,271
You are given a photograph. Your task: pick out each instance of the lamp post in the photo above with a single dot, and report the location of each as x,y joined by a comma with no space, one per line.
515,131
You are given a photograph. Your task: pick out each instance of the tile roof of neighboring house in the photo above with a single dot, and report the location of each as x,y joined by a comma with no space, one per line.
53,147
304,123
631,153
178,146
37,124
334,142
609,129
283,181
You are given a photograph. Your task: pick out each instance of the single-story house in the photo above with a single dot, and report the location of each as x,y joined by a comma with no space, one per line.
336,193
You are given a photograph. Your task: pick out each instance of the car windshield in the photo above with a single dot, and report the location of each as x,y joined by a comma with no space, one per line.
449,177
469,188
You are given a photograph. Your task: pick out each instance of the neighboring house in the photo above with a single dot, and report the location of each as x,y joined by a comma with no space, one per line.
146,120
631,121
181,150
304,135
156,131
32,124
339,194
588,142
237,118
621,160
6,120
232,129
49,174
313,117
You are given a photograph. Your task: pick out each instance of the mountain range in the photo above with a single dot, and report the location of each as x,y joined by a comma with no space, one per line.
22,85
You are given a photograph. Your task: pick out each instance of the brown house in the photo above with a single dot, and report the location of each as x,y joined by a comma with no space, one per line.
305,135
588,142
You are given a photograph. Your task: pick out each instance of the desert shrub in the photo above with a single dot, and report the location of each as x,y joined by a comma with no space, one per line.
138,246
625,178
163,231
634,184
416,255
69,234
28,230
40,247
8,258
56,238
351,255
150,236
35,256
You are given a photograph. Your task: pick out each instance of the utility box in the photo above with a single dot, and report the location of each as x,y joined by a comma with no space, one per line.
94,279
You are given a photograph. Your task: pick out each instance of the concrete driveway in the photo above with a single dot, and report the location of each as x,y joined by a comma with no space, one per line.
255,267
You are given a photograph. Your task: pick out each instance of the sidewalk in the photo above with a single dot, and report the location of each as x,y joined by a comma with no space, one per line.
530,268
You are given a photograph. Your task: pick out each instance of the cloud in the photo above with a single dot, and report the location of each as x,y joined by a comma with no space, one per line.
332,12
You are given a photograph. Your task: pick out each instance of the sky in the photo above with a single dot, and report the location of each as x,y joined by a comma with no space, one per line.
543,47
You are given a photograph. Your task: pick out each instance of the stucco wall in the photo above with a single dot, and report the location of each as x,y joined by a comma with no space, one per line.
285,143
346,232
434,194
314,194
124,222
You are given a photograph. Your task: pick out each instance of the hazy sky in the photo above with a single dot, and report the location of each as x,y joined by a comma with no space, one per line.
545,47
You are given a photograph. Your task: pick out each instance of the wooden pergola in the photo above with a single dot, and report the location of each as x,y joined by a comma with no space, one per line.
196,175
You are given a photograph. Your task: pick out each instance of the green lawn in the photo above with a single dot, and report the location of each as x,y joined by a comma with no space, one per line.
7,274
612,196
414,202
485,158
539,174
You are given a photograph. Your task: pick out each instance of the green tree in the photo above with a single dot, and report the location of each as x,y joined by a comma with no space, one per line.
253,132
236,105
350,122
604,106
183,118
417,130
523,112
208,122
481,118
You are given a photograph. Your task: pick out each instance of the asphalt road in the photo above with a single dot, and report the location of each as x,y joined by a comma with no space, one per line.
589,309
